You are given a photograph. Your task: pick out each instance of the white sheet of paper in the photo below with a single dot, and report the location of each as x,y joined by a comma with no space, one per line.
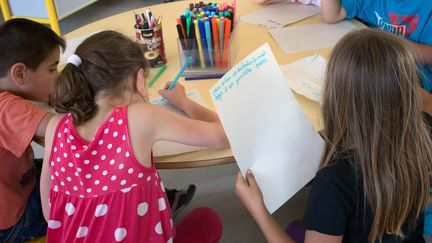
311,37
266,127
278,15
71,46
163,148
306,76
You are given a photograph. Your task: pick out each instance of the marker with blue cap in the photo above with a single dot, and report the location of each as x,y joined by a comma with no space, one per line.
183,68
209,43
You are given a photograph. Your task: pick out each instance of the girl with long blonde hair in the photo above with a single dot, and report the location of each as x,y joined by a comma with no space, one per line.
374,178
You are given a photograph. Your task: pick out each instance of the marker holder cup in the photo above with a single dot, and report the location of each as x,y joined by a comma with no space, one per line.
152,45
205,64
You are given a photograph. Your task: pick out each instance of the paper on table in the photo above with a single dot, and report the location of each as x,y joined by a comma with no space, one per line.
306,76
311,37
163,148
278,15
266,127
71,46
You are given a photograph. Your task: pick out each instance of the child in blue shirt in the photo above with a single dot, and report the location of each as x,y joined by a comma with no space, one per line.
410,19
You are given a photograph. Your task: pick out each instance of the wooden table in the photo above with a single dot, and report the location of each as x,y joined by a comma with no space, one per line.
247,38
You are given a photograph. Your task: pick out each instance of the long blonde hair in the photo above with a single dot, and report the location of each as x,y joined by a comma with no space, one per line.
371,106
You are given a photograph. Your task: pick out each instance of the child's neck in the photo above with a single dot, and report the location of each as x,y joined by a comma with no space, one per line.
105,105
107,102
6,84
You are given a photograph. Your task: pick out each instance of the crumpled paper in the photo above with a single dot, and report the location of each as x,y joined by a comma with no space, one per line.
306,76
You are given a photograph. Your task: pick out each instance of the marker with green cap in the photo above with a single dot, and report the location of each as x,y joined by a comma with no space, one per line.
156,76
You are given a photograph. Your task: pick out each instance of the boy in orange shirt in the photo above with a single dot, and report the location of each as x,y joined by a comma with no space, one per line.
29,54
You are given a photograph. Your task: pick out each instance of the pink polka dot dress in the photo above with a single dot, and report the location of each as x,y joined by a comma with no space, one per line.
100,192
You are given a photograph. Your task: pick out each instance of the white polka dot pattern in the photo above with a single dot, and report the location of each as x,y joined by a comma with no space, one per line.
158,228
99,179
70,209
142,209
54,224
120,234
101,210
162,204
82,232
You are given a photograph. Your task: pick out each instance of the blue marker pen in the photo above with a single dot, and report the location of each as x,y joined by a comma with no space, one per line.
209,42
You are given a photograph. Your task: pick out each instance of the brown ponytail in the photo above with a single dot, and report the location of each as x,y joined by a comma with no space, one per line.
74,94
108,59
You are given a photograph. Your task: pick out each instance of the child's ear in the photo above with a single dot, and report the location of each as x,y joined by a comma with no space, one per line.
18,73
141,81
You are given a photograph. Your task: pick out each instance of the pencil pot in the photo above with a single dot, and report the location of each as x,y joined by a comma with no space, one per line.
208,60
152,45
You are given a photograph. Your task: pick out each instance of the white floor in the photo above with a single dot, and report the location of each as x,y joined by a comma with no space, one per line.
215,185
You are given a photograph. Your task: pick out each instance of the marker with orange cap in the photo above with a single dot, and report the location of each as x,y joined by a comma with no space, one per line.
216,42
225,55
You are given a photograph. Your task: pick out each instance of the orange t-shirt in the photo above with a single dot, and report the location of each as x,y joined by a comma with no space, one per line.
19,120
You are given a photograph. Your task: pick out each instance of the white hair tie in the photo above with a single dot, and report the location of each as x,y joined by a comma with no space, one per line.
75,60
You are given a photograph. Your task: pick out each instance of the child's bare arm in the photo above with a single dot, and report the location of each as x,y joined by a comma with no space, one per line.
152,123
198,112
250,195
425,51
426,101
173,127
45,182
332,11
41,129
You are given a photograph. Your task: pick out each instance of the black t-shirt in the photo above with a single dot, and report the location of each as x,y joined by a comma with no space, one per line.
336,206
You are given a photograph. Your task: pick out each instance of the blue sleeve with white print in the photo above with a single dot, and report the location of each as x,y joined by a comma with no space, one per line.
426,34
352,7
426,38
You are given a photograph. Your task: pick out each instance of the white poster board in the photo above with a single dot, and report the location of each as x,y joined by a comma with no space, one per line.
266,127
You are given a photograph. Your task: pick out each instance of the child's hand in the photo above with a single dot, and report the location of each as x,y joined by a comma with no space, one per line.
249,193
176,96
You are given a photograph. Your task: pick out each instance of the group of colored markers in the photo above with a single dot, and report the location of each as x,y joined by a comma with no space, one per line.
204,33
146,20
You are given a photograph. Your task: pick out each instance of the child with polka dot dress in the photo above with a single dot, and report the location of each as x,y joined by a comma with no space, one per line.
99,182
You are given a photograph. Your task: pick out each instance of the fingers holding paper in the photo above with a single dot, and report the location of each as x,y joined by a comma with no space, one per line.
249,193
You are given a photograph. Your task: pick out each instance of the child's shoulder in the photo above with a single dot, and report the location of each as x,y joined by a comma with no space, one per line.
142,116
16,107
140,110
7,97
54,121
143,112
341,170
